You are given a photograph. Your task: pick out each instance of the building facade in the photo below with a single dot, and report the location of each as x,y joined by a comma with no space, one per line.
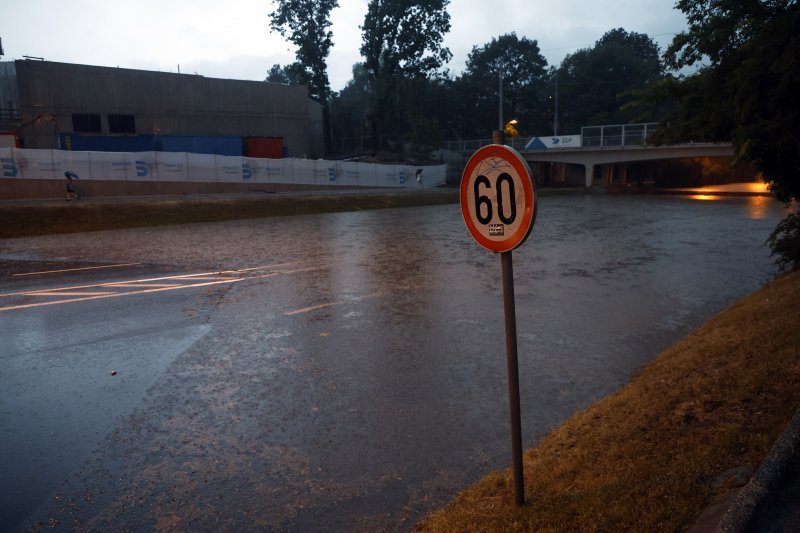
44,100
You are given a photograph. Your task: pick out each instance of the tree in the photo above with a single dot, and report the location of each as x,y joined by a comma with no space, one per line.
306,23
523,69
401,40
277,74
748,93
292,74
595,84
349,112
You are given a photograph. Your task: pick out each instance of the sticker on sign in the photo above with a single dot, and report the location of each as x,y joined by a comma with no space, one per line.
498,198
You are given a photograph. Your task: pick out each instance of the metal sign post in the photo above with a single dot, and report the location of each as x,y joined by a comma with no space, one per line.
513,376
498,204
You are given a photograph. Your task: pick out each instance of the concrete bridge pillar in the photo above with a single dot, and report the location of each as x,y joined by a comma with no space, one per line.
589,173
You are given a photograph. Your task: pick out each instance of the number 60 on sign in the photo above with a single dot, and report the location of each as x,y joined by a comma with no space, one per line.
498,198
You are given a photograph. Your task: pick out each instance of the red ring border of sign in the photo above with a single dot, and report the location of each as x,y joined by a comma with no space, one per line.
531,198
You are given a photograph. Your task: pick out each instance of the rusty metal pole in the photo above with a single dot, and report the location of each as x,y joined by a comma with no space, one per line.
513,376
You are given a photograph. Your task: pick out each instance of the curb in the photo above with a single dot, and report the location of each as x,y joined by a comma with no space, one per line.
767,479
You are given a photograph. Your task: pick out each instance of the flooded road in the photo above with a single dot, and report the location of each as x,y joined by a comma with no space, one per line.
332,372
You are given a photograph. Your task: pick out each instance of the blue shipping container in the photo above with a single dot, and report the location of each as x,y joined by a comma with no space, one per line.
106,143
196,144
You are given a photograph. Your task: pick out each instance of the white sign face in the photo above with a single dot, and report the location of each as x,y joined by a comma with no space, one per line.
546,143
498,201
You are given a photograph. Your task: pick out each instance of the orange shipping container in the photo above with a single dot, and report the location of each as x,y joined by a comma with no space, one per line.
265,147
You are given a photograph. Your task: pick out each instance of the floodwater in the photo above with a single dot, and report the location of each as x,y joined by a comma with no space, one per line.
361,382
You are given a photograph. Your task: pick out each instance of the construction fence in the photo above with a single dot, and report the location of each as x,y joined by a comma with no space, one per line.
160,167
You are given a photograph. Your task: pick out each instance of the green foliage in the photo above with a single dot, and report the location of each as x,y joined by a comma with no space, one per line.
785,242
306,23
718,28
595,84
277,74
401,41
523,69
425,136
349,110
292,74
747,95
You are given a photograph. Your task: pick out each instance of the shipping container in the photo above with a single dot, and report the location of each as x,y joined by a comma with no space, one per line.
197,144
106,143
9,139
264,147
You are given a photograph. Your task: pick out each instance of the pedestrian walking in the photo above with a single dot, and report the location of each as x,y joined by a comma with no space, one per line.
419,178
70,188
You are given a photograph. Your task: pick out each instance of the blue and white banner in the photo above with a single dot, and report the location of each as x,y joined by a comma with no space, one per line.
19,163
547,143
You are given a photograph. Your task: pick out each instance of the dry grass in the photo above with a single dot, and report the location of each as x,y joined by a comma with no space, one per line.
644,458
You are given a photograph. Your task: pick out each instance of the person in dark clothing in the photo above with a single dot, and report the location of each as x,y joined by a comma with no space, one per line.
70,188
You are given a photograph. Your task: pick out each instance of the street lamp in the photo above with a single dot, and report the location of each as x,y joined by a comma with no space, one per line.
510,128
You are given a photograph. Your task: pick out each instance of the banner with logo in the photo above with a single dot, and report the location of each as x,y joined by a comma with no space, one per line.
23,163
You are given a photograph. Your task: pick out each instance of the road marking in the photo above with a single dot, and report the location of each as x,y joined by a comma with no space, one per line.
51,293
332,304
129,284
74,269
201,275
79,293
130,293
312,308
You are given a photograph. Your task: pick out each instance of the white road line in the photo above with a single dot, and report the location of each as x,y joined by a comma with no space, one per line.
331,304
59,294
74,269
201,275
312,308
133,284
83,295
131,293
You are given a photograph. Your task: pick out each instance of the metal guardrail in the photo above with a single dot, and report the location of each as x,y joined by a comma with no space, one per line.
591,137
616,135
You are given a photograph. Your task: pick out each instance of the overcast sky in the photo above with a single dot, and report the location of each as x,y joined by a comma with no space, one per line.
231,38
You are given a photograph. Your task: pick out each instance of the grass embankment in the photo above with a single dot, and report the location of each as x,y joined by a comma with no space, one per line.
644,459
70,217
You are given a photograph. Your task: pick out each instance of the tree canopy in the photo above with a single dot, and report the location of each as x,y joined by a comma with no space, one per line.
306,24
747,93
595,84
524,72
401,40
291,74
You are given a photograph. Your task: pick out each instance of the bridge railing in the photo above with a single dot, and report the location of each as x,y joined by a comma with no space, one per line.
616,135
591,137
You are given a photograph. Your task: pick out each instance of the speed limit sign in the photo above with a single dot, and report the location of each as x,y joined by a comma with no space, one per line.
498,203
498,198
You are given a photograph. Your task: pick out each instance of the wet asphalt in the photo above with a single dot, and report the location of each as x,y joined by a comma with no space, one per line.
331,372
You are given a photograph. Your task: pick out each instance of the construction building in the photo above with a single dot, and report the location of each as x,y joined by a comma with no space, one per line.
66,106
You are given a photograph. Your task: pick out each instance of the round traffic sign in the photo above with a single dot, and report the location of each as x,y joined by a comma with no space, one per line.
498,198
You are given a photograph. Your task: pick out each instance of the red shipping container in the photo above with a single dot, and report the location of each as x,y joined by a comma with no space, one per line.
264,147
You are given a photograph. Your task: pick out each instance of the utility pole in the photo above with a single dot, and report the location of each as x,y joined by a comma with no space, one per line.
501,134
555,109
500,104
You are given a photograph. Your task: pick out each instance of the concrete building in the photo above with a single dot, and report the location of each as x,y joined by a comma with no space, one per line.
42,99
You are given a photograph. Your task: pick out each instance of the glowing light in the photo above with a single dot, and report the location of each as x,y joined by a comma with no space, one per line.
705,197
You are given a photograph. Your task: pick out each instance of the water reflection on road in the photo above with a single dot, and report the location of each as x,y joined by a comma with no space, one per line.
367,386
